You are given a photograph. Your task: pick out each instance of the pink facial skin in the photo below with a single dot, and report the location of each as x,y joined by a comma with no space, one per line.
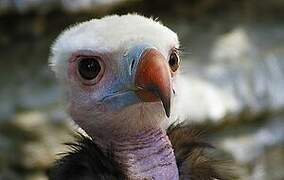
88,91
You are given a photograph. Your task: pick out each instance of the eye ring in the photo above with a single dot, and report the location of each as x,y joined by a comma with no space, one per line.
89,69
174,61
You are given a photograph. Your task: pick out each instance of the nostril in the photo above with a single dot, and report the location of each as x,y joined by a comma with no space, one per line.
132,64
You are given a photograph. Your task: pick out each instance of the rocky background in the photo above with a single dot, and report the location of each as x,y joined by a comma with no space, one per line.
233,59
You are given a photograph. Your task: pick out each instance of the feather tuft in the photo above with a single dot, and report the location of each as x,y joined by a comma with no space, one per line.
86,161
193,160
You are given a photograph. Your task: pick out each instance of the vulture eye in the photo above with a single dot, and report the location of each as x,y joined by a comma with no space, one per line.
174,61
89,68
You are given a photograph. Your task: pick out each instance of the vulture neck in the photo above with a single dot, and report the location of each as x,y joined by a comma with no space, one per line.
145,155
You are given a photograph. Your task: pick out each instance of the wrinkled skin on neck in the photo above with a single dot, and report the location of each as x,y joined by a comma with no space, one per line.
145,155
135,137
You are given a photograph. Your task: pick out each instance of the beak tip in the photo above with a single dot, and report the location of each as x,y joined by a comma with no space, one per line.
167,108
168,114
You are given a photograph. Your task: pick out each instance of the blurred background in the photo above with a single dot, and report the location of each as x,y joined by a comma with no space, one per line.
233,57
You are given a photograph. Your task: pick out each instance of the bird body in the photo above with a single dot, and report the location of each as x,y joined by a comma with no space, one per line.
120,74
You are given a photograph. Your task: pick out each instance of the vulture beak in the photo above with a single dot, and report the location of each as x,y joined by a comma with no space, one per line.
153,79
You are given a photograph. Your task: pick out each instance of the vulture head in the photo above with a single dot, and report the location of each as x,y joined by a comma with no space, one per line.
119,74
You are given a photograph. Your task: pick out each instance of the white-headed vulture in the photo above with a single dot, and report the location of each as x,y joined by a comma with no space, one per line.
119,74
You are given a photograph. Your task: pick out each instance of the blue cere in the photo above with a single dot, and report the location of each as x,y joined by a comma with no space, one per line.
122,91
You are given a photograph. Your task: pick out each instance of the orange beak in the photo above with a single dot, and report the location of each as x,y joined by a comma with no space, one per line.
153,79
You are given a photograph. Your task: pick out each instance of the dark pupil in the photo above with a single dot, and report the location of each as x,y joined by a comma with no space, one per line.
89,68
173,60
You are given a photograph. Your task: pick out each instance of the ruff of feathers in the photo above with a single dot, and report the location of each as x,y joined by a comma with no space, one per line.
86,161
